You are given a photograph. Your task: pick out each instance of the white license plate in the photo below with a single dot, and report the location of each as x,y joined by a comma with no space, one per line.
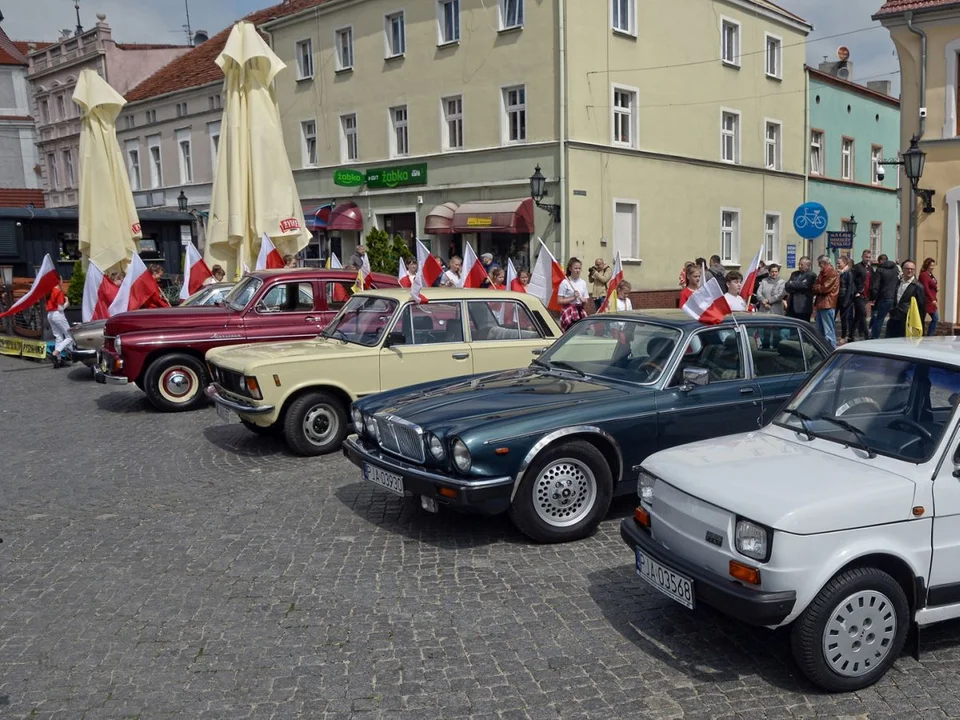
388,480
226,414
671,583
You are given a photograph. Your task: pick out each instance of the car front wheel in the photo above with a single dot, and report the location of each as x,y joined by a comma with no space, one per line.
175,382
315,424
853,631
564,494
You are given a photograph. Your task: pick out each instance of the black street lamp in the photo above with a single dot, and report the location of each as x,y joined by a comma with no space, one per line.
538,187
852,225
182,202
912,160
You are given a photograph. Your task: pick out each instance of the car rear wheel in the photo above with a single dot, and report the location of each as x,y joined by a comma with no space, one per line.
564,494
315,424
175,382
853,631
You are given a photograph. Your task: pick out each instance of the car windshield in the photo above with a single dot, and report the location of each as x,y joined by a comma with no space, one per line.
242,292
615,348
362,320
899,407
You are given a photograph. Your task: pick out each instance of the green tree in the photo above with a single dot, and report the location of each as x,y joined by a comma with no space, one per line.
384,252
77,280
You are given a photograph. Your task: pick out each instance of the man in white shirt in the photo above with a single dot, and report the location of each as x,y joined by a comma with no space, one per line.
452,277
734,284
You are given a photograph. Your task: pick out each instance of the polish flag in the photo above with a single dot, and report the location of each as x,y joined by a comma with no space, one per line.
610,302
403,276
416,286
708,304
546,278
98,293
513,282
333,262
474,273
195,271
138,286
428,265
269,257
46,280
750,280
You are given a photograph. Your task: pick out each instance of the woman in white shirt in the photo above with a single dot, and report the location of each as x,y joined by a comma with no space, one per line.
572,295
623,296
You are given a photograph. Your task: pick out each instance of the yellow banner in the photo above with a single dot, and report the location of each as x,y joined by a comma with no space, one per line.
34,349
10,345
479,222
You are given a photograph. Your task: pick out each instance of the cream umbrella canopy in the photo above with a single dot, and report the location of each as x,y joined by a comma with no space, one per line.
109,225
254,192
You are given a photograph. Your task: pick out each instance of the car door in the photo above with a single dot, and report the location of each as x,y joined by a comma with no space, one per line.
284,311
729,403
781,360
426,342
334,296
503,335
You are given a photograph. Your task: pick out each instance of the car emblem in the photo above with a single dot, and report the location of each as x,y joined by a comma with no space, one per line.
714,539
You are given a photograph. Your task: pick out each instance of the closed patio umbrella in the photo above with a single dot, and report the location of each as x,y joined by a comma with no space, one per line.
253,189
109,225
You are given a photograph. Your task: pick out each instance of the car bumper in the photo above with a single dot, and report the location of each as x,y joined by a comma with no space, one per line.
485,496
84,355
754,607
213,392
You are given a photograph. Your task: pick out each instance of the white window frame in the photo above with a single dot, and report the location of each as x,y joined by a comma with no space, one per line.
506,109
820,138
213,132
345,138
398,128
952,60
447,118
343,32
876,244
389,51
61,107
616,112
134,169
151,116
442,38
520,14
777,144
44,106
306,158
774,237
738,39
617,22
53,172
876,155
847,159
304,72
68,170
734,258
156,164
185,156
633,257
777,74
737,136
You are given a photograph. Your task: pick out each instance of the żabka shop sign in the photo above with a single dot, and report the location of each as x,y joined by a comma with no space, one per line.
390,177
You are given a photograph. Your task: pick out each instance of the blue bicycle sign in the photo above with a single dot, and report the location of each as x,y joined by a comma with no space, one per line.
810,220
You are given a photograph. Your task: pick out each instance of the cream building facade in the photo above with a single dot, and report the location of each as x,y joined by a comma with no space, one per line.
662,155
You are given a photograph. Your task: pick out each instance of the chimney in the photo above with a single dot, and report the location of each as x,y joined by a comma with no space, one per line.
842,70
881,86
200,36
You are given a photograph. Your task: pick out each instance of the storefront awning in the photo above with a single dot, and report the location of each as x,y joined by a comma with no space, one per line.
439,221
501,216
317,216
346,217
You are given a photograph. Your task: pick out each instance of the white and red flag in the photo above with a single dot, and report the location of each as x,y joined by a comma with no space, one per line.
428,266
610,303
402,275
750,280
195,272
546,278
46,280
333,262
98,292
416,286
512,281
474,273
708,304
269,257
137,287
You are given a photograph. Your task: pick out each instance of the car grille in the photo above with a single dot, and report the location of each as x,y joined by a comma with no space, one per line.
401,439
229,380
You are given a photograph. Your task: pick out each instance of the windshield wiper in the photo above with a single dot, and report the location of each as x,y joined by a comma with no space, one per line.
804,419
567,366
855,431
336,332
540,363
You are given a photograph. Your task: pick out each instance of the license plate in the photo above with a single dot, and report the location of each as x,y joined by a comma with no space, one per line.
387,480
671,583
226,414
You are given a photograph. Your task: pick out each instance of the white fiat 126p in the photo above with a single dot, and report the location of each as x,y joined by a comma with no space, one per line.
840,518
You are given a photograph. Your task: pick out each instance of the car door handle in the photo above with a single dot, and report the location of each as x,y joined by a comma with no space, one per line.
746,391
311,318
460,356
538,351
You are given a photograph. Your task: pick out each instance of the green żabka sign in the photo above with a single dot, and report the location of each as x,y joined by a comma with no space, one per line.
390,177
348,178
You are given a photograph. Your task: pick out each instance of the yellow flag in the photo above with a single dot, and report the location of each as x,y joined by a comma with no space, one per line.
611,304
914,323
358,285
327,263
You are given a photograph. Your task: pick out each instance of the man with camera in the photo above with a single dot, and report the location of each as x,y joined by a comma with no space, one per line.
599,277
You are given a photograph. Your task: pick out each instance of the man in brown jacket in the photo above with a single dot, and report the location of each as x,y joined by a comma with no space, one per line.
599,275
826,289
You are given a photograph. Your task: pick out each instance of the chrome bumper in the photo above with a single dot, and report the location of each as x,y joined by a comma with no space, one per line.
213,393
102,378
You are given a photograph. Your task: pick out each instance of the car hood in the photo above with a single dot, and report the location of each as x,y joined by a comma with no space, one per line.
800,486
169,318
250,356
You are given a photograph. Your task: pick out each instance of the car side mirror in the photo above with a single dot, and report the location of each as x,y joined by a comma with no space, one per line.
395,338
694,377
956,463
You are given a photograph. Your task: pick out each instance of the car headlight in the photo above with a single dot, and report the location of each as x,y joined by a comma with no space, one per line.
436,447
116,344
461,456
372,429
645,487
357,418
753,540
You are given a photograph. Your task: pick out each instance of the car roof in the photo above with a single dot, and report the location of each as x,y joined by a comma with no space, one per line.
323,274
676,317
941,349
450,293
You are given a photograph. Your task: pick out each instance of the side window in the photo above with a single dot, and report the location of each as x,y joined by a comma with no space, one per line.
430,323
288,297
717,351
337,294
776,350
812,353
500,320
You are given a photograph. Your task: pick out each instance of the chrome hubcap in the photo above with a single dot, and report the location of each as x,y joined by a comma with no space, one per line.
320,424
564,493
859,633
178,384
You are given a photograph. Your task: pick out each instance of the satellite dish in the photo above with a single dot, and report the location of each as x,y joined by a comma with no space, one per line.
843,53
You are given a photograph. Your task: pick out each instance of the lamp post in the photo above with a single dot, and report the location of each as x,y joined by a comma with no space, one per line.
913,160
852,226
538,186
182,202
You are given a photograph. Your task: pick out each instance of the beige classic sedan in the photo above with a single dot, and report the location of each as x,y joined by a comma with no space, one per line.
380,340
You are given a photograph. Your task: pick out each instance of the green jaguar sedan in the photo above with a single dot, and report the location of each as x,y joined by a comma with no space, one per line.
553,443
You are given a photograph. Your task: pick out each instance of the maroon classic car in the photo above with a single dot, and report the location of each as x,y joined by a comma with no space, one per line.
162,350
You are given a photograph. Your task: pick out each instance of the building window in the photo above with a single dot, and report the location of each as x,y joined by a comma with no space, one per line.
515,114
730,137
771,238
774,68
730,236
44,111
185,156
846,159
308,131
181,109
61,108
626,234
876,238
215,102
156,166
304,59
511,14
396,35
453,121
449,19
730,42
623,16
151,116
68,168
345,49
349,140
816,152
53,174
213,130
773,144
400,138
876,158
127,122
133,164
624,116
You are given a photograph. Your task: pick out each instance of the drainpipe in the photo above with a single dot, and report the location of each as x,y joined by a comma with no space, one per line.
912,236
563,200
806,160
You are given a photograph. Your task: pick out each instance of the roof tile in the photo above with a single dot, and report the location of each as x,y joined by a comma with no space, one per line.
10,54
895,7
20,197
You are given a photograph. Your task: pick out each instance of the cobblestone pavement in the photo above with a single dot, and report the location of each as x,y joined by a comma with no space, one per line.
169,566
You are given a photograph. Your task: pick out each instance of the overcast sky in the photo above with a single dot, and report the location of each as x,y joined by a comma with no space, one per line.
871,50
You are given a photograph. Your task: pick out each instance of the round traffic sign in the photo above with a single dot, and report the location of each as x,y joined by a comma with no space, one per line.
810,220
